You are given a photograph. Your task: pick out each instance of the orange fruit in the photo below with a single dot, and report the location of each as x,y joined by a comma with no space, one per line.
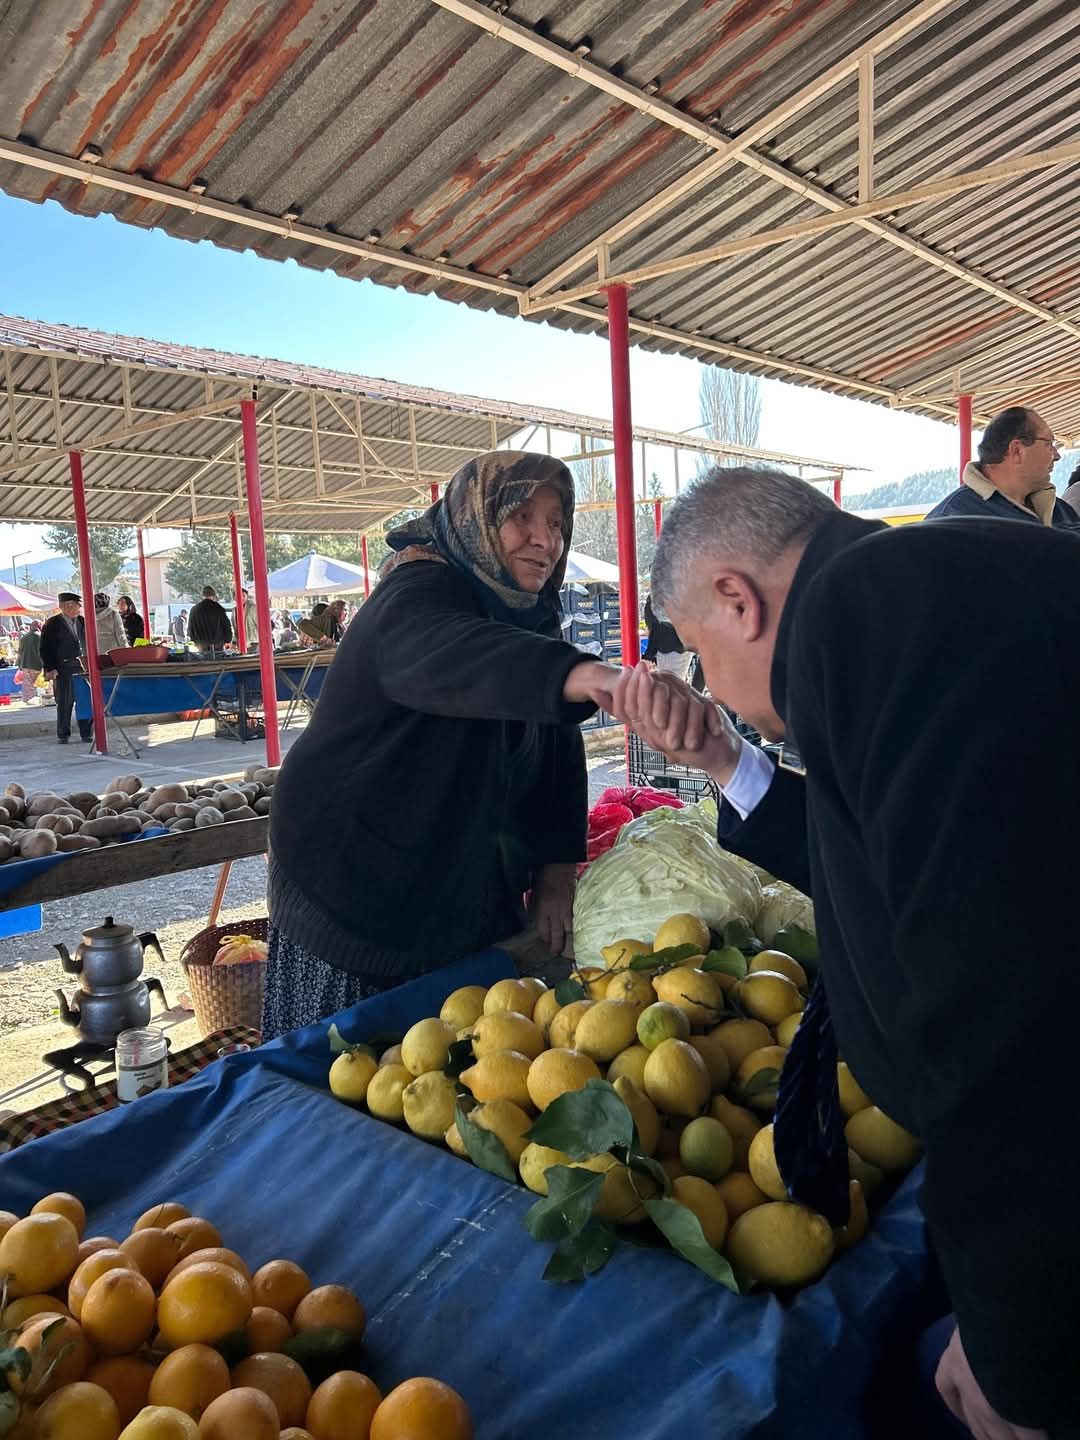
63,1203
203,1304
118,1312
20,1312
330,1305
127,1379
38,1254
195,1234
161,1216
266,1331
72,1367
217,1254
93,1245
78,1412
280,1378
243,1414
153,1253
343,1406
91,1269
280,1285
422,1409
190,1379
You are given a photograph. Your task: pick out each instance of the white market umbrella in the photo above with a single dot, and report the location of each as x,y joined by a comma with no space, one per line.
585,570
316,574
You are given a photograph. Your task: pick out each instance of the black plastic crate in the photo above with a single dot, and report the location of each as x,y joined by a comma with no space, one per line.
240,727
646,766
585,633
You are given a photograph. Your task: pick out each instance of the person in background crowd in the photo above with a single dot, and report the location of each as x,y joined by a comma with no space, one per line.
133,621
208,625
838,635
1072,491
663,648
29,660
111,634
321,625
63,644
453,692
178,628
251,620
1017,452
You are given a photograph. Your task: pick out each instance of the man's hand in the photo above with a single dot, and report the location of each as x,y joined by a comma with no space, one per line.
963,1394
553,904
51,674
591,680
668,715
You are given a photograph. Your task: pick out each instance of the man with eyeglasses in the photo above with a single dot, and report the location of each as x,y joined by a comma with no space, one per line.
1017,453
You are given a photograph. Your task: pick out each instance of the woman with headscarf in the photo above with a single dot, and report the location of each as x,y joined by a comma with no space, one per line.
442,774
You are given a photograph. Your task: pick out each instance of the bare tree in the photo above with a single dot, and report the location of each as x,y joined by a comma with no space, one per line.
730,405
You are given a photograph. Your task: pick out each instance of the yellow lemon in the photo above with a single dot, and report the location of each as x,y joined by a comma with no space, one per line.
605,1029
631,986
785,1031
711,1050
536,986
706,1148
739,1194
426,1045
698,994
564,1024
741,1124
740,1038
510,995
661,1022
428,1105
881,1141
454,1141
682,930
780,964
161,1422
868,1176
620,952
536,1161
764,1170
769,996
781,1243
392,1056
506,1120
500,1075
546,1009
623,1192
556,1072
645,1117
853,1097
676,1080
595,981
631,1063
701,1197
464,1006
350,1075
770,1057
385,1091
506,1030
38,1254
858,1218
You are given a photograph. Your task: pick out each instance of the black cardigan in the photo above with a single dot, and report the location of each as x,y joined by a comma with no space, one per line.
929,678
441,767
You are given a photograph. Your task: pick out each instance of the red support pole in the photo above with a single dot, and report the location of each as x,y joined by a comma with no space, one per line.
238,584
434,492
364,563
838,491
259,573
143,591
623,430
963,420
86,571
658,516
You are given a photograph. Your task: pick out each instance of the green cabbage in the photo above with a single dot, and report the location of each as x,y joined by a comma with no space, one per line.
783,905
664,863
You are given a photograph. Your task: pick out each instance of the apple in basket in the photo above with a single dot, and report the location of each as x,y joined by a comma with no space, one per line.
240,950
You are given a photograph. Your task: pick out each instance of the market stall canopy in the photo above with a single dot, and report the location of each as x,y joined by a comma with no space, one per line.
15,600
316,574
825,192
586,570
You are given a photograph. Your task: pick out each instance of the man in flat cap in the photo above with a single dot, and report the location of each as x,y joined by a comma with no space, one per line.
63,644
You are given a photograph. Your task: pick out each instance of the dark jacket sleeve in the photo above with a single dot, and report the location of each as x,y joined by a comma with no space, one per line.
921,729
436,654
553,818
49,657
773,835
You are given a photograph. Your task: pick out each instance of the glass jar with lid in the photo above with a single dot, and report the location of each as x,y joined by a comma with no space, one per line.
142,1063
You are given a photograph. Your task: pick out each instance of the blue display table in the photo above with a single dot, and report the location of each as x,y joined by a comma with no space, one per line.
650,1349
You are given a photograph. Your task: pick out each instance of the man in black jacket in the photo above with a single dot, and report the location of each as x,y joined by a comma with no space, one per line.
63,644
933,828
208,625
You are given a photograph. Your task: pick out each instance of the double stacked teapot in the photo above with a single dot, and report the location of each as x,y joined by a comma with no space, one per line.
112,994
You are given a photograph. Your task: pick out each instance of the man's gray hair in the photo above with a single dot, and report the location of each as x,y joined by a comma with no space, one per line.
743,514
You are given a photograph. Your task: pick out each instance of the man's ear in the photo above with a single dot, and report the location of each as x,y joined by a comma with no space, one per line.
741,604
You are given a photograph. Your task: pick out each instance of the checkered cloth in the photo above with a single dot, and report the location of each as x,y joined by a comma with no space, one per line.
59,1114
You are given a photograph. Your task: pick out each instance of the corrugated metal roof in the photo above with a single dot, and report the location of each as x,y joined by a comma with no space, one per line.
409,133
380,445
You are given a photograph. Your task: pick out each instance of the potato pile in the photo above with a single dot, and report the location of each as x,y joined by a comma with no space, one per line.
42,823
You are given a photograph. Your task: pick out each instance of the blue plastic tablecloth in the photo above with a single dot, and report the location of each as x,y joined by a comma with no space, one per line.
166,695
649,1349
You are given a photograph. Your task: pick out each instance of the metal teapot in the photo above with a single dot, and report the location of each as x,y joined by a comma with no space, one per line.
109,956
102,1014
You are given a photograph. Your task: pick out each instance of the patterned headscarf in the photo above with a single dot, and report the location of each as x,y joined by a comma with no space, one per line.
463,529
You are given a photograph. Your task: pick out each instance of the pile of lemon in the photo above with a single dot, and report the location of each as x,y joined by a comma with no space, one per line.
694,1054
128,1341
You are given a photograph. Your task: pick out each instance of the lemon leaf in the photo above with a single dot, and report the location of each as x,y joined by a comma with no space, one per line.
567,1207
800,944
569,990
459,1057
665,959
768,1078
729,961
338,1043
484,1148
636,1160
584,1122
582,1254
737,934
682,1230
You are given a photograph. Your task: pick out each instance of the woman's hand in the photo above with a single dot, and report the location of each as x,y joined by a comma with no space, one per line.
591,680
669,716
553,904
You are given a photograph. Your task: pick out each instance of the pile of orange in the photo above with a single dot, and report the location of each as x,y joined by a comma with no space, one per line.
168,1335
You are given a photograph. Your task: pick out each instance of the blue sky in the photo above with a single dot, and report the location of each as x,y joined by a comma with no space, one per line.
63,268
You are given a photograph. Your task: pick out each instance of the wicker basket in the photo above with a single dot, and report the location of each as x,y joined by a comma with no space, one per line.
225,995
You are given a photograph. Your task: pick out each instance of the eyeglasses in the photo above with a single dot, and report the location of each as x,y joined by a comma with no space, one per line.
1047,440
